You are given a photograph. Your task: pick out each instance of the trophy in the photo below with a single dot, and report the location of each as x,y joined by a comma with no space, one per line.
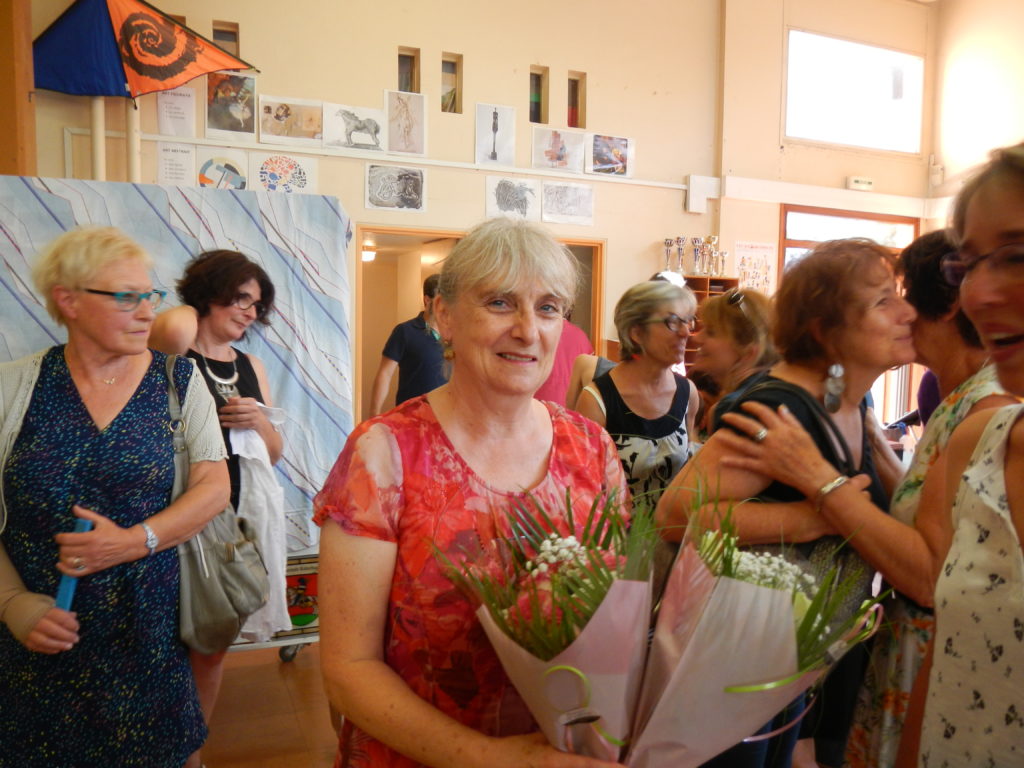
696,242
680,244
668,253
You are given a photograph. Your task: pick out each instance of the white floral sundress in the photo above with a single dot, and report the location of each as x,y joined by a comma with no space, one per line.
974,716
900,645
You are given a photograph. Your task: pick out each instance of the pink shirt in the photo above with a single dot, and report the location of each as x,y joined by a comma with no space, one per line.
571,344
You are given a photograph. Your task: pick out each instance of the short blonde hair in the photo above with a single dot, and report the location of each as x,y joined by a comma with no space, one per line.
504,253
75,258
638,303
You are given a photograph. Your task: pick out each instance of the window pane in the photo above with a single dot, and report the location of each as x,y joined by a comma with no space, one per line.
850,93
817,227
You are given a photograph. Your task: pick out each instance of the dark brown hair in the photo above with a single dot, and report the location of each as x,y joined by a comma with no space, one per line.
214,277
819,294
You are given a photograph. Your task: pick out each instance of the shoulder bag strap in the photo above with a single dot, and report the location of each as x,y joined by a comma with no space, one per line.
845,461
177,427
597,396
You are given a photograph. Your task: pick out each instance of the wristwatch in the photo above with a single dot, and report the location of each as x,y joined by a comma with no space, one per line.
152,542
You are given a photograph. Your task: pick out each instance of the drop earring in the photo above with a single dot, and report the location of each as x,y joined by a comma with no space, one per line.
446,350
835,385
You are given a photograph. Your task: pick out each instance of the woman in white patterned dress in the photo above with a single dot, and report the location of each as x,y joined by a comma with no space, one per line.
973,714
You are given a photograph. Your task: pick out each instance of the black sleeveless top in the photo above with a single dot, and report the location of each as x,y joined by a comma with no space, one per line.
652,451
247,386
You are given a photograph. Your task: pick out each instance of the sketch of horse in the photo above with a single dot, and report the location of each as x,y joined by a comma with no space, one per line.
356,124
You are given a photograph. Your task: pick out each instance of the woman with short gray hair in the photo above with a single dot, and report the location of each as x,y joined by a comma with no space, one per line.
647,408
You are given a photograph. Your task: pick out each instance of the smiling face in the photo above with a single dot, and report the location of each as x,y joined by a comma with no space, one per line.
660,344
994,301
98,319
504,342
229,322
879,334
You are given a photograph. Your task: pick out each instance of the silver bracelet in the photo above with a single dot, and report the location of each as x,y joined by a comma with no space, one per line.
152,542
826,489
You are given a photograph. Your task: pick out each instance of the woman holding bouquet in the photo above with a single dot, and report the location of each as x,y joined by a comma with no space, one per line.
406,662
839,325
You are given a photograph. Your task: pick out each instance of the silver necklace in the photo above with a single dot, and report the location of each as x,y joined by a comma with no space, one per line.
225,387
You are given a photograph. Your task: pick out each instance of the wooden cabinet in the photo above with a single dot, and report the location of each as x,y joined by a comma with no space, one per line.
703,287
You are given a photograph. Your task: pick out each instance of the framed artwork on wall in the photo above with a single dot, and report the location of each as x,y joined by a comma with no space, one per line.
568,203
221,167
609,155
280,172
348,127
395,188
495,135
514,197
407,122
558,150
230,106
291,121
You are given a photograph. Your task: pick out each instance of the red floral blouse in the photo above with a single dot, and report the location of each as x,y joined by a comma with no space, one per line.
399,479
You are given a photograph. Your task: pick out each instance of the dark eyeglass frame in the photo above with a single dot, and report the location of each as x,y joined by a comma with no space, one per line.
128,301
674,322
244,301
956,268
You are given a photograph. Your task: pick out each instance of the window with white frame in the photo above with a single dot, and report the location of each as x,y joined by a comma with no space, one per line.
842,92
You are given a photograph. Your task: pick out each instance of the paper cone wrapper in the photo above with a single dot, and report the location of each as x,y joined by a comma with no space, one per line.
609,654
744,634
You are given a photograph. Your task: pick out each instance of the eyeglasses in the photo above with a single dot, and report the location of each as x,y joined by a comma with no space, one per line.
244,301
1006,263
674,322
126,301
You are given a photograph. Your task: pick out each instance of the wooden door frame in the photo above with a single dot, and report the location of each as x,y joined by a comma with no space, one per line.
363,229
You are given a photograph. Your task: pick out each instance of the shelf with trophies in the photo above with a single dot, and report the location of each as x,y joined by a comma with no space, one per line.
704,271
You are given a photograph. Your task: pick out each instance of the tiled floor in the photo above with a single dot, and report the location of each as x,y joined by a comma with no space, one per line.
271,714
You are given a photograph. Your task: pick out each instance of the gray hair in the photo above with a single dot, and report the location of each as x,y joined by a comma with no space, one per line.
638,303
504,253
77,256
1005,164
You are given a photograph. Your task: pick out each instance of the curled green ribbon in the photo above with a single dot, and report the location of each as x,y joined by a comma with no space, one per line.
585,714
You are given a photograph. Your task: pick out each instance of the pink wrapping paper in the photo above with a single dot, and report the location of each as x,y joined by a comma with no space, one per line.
609,652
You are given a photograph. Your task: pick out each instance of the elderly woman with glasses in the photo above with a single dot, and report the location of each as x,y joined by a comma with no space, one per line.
223,293
647,408
85,439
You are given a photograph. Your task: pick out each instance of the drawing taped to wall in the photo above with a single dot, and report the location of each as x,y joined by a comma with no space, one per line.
222,168
395,187
516,198
495,135
611,155
282,173
348,127
291,121
568,203
407,120
558,150
230,106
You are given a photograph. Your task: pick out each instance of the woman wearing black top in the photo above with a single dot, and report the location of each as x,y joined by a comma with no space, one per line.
839,324
222,294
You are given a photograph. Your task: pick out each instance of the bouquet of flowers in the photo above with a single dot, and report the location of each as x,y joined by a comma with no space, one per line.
568,615
739,635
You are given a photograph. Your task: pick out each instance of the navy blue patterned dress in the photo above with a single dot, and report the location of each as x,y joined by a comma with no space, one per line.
124,695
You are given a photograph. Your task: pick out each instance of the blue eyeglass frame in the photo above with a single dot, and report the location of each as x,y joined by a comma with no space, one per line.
129,300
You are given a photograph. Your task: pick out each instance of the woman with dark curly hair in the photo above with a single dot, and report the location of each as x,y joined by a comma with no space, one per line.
223,293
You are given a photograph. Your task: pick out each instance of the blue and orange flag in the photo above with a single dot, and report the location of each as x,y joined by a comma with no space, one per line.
122,48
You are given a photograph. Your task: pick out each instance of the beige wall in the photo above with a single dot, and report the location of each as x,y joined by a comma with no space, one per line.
698,84
980,68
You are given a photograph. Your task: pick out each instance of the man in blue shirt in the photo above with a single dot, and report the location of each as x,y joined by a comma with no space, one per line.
414,349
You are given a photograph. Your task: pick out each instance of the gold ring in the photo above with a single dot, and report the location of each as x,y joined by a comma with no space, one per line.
78,563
